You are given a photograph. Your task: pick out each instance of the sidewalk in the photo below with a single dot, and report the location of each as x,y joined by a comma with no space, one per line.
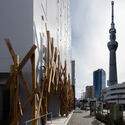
83,118
60,120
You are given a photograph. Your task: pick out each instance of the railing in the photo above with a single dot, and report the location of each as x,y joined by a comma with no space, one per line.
38,119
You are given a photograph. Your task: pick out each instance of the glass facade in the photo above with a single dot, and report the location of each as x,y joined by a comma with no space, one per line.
99,82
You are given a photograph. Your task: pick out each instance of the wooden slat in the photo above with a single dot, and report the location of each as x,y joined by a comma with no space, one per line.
8,82
11,50
34,122
55,65
27,57
52,46
50,80
14,93
52,68
20,107
16,85
17,107
22,63
48,47
41,94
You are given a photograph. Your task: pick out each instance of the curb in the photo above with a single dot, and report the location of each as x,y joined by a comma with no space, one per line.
68,118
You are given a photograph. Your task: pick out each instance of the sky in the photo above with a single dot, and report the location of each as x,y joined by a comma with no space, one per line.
90,22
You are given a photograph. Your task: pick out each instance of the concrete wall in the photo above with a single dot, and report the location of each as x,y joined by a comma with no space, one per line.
15,23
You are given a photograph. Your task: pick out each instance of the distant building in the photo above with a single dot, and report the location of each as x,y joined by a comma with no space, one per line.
73,77
89,92
115,94
84,93
73,71
99,82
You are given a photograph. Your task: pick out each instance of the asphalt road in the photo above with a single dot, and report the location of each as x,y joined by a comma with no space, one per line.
83,118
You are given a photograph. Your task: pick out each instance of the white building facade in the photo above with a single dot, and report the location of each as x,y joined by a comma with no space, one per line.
115,94
25,22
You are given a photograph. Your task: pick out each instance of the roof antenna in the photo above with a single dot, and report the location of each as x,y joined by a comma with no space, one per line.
112,30
112,24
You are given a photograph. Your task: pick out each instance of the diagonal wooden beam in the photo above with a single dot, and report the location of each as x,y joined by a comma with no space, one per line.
14,76
48,47
41,95
50,80
33,88
11,50
27,57
9,80
55,65
22,63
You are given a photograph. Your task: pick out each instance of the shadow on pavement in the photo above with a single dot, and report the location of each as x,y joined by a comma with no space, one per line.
96,122
87,116
77,111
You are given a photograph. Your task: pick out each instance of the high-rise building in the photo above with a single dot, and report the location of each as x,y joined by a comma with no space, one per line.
99,82
114,93
112,46
73,71
73,77
89,92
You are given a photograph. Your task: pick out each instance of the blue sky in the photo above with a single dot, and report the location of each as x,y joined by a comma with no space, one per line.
90,21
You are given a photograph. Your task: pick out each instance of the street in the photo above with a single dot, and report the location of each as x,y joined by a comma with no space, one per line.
83,118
